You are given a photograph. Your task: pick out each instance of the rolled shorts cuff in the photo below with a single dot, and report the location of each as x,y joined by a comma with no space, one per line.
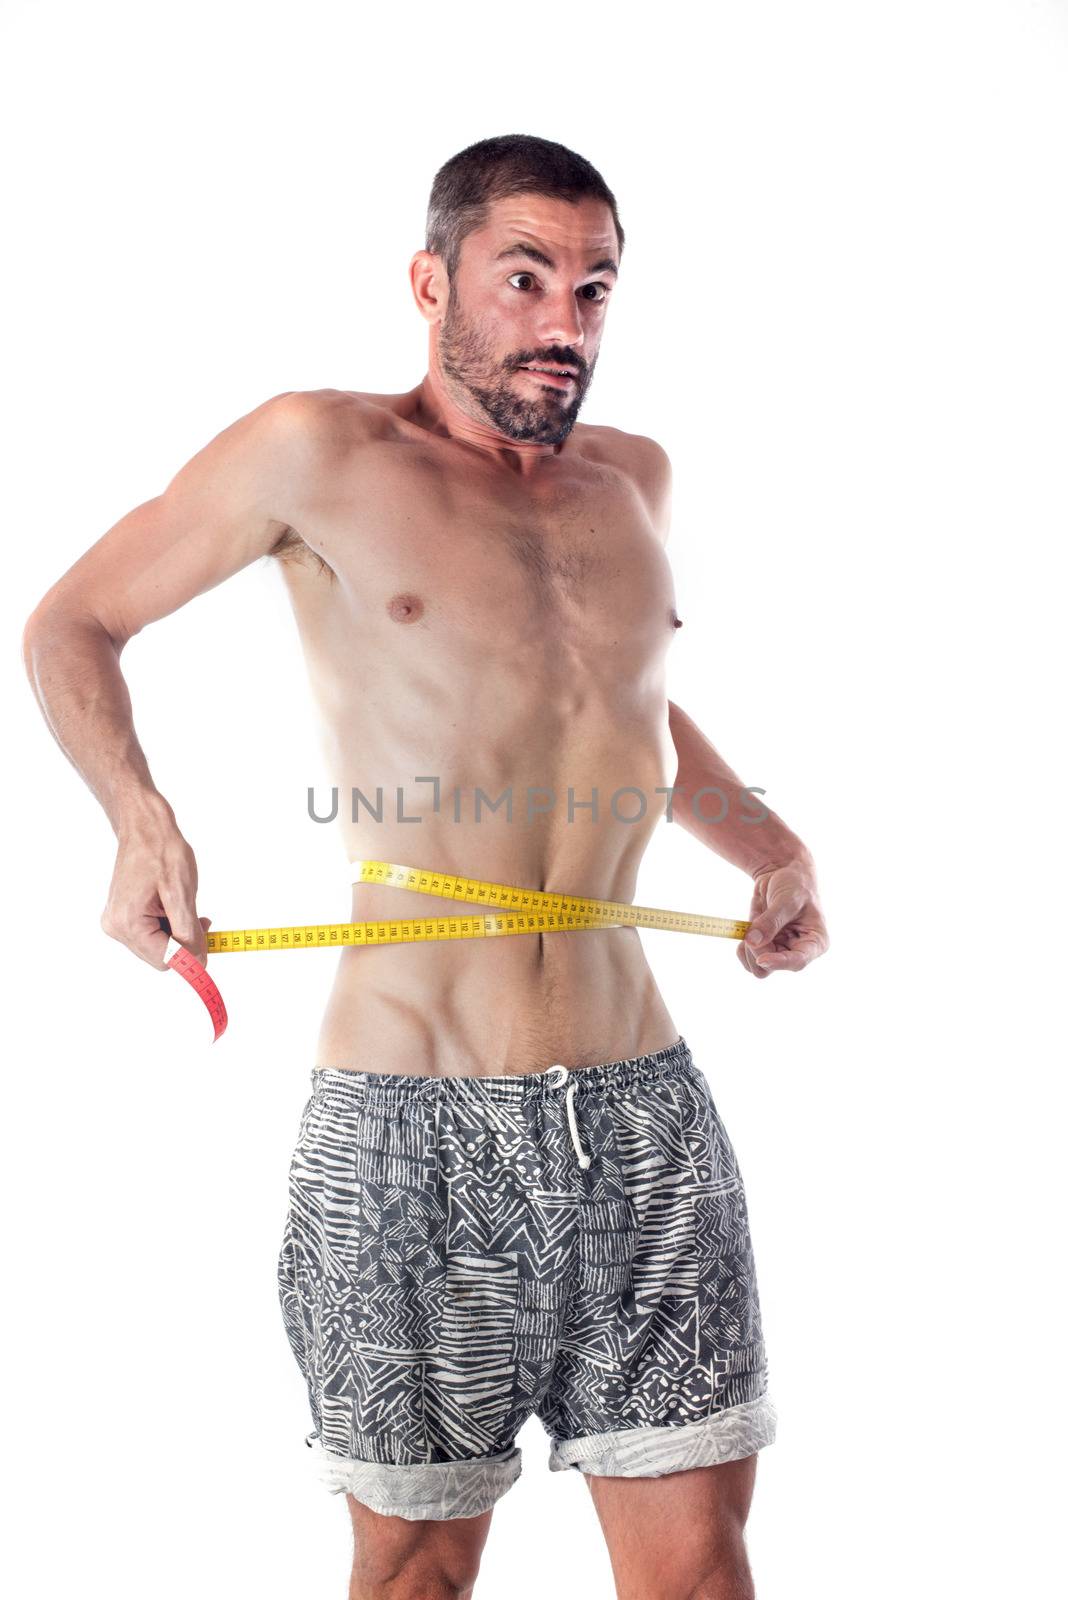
421,1490
651,1452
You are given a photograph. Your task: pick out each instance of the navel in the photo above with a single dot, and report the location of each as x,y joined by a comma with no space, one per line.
405,608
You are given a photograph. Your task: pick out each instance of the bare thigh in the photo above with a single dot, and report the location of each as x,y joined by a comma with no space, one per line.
395,1558
678,1537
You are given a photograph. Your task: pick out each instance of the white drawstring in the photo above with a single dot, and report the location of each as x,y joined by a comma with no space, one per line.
583,1158
569,1100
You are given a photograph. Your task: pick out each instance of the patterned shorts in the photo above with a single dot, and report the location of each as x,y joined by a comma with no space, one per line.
462,1253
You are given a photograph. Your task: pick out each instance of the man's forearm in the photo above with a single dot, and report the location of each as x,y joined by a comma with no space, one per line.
73,667
728,817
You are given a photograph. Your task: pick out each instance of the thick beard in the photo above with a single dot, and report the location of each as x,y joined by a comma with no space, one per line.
467,359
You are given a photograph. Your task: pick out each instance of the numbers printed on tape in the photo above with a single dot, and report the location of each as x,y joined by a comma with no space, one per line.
186,965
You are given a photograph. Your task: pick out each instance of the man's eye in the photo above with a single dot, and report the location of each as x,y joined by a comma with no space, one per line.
600,290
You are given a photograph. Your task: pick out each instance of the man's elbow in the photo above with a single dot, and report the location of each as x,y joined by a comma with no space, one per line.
35,632
53,621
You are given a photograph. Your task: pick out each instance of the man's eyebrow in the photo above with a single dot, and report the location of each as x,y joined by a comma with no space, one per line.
532,253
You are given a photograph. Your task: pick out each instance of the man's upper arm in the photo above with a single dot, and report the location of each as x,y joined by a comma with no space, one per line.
226,507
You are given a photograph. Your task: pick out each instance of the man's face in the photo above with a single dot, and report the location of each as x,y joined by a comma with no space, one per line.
532,287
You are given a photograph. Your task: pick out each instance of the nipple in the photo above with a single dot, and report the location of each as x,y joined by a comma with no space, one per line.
674,619
406,608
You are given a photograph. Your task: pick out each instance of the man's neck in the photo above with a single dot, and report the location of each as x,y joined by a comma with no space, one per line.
440,414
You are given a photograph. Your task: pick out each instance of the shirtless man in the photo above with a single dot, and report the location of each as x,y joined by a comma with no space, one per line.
512,1193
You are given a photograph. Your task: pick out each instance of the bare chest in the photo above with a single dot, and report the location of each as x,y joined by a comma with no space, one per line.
449,555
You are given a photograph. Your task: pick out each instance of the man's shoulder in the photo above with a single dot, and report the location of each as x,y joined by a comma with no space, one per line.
320,416
627,446
308,434
641,459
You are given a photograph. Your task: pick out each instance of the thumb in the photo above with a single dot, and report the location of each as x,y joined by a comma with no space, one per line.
783,905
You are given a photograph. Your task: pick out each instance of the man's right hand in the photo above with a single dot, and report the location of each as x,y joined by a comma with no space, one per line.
155,876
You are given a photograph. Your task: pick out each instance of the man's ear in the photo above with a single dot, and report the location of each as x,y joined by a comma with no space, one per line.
430,284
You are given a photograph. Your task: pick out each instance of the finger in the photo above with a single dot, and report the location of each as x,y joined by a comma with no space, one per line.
205,923
749,961
782,907
180,911
152,944
765,929
799,955
141,934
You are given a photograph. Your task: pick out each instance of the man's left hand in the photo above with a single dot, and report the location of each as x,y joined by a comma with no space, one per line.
788,930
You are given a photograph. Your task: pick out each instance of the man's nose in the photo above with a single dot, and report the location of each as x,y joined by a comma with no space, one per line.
560,322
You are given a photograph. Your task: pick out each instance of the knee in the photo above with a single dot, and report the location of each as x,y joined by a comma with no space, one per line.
416,1561
726,1577
412,1585
420,1578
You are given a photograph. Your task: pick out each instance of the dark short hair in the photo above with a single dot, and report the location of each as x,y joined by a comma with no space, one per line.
514,163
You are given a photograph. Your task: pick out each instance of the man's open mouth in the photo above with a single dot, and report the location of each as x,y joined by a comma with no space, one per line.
558,377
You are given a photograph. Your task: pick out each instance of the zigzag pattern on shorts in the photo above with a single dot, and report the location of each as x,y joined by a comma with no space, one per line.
447,1269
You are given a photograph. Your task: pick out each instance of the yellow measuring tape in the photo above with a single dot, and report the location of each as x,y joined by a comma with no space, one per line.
507,909
511,910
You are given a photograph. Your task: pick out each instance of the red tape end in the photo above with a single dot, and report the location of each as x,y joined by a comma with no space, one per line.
196,975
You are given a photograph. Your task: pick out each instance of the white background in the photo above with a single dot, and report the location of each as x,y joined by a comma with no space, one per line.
843,312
